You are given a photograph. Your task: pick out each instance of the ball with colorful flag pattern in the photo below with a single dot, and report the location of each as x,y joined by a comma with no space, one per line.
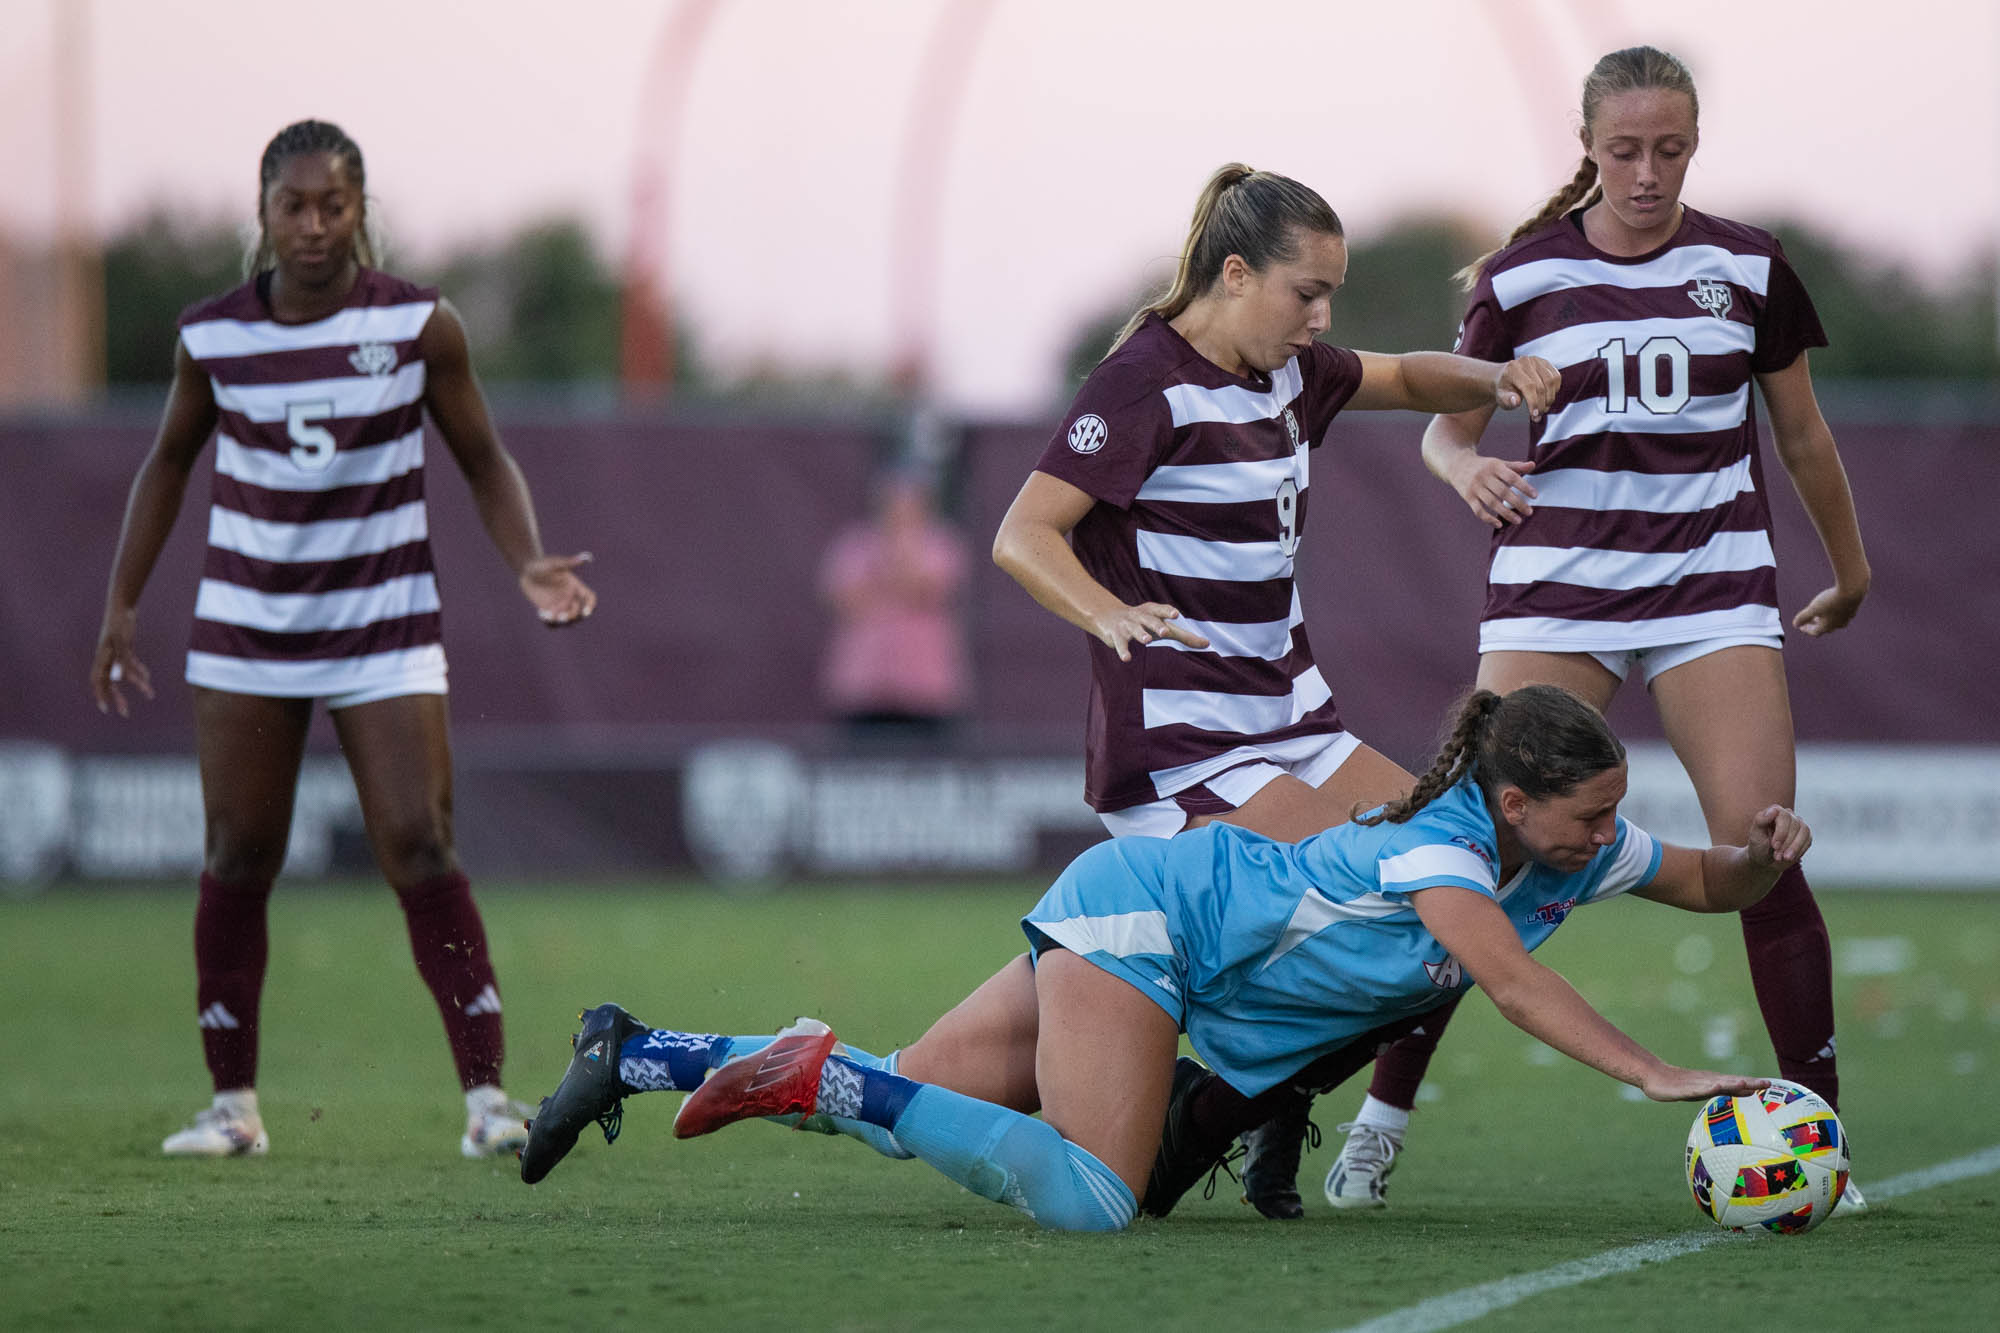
1776,1159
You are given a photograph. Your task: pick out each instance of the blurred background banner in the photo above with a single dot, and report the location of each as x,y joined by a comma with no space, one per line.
685,726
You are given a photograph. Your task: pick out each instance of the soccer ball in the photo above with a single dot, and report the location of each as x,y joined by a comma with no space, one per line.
1776,1159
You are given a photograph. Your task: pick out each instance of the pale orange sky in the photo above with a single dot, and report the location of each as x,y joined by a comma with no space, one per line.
1085,129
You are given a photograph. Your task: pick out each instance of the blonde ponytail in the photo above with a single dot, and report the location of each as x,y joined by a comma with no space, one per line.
1241,211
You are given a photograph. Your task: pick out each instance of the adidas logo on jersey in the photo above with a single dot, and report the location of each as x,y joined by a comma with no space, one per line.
216,1018
486,1002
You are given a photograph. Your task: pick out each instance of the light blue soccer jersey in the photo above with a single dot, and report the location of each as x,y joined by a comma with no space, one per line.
1270,955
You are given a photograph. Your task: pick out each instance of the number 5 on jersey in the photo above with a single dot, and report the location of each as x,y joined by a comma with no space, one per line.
312,446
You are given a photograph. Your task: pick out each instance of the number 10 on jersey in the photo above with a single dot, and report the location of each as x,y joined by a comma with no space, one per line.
1652,353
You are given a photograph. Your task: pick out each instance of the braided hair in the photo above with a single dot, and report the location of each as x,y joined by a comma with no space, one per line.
1241,211
295,140
1540,738
1625,71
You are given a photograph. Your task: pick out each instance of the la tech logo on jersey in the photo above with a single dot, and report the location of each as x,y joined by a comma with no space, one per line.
1712,295
1089,433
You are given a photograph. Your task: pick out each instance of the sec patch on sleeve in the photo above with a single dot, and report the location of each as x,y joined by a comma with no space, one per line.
1088,434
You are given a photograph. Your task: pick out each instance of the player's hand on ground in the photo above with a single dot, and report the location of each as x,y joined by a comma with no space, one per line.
1142,624
1829,611
1528,381
116,662
1778,838
560,597
1673,1084
1497,492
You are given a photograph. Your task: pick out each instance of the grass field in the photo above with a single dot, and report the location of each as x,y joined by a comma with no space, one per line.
364,1214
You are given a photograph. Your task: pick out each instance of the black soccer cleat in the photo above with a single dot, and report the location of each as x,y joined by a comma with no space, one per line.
590,1090
1186,1153
1271,1162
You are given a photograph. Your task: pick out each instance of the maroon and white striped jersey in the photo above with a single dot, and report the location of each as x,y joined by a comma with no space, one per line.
1201,479
318,579
1651,525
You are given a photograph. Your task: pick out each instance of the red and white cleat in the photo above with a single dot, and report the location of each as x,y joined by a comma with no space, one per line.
781,1079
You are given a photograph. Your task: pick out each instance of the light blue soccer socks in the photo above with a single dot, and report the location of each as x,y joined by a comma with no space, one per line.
996,1153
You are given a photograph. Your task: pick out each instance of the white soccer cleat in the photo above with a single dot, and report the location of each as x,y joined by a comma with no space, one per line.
1359,1178
495,1124
220,1132
1850,1203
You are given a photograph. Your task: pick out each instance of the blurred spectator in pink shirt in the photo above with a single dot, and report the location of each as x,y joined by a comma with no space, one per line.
896,667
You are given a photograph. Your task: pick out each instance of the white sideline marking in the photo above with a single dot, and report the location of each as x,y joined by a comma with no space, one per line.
1463,1306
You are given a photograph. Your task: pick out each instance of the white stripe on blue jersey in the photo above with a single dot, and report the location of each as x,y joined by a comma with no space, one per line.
233,337
297,613
1703,414
348,396
1590,567
1432,864
1635,865
1648,492
370,465
1120,933
1316,912
1235,404
329,539
1672,269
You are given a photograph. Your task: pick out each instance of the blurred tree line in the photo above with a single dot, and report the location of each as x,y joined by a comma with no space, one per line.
1883,323
542,303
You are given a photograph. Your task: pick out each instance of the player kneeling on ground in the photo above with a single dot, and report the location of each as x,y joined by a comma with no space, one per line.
1268,955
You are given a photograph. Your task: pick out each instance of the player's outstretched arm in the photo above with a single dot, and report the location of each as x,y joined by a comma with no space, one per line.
150,511
1447,382
1541,1003
1729,879
1032,545
500,492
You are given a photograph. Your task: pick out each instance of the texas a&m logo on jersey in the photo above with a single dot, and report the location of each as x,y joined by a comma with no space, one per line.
1712,295
1292,427
1087,436
1447,975
373,358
